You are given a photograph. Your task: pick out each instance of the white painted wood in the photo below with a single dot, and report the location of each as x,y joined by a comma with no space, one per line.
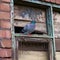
32,55
57,55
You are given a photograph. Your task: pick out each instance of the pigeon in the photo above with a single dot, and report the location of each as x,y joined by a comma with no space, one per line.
29,28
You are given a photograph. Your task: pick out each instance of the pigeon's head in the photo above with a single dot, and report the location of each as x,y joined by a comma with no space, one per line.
33,21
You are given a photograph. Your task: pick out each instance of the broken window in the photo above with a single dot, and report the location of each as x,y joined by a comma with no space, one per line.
24,15
36,44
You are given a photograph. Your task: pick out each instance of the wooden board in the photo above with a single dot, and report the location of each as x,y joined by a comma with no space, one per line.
56,17
32,55
29,13
57,45
26,14
31,52
28,53
57,55
39,26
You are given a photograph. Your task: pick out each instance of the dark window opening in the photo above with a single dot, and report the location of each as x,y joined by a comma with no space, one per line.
19,30
42,46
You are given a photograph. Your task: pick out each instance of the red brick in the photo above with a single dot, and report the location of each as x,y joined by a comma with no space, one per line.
5,33
4,7
57,1
4,15
6,43
47,0
6,0
5,52
5,24
53,1
6,59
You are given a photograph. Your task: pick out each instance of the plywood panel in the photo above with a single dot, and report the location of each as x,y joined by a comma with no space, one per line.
29,13
57,44
56,16
32,51
24,14
32,55
57,55
39,26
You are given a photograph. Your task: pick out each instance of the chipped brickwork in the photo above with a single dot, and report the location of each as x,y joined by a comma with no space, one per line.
6,7
5,43
53,1
50,1
6,1
4,15
5,31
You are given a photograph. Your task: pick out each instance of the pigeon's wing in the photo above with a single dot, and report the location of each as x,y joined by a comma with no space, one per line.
29,28
25,29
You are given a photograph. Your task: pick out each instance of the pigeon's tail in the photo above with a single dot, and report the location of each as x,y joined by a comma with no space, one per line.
25,32
22,31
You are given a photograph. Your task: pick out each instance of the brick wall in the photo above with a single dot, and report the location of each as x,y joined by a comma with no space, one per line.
5,31
53,1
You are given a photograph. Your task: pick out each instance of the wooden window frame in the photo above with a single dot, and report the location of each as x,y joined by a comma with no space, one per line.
51,35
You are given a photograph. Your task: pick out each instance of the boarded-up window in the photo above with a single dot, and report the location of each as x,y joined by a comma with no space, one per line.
24,15
32,51
56,16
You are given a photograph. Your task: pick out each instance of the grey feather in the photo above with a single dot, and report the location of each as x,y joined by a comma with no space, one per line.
29,28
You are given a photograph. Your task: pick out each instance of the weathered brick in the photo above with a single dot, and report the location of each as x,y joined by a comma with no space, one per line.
53,1
57,1
47,0
4,15
6,0
5,24
6,59
6,43
4,7
5,52
5,33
